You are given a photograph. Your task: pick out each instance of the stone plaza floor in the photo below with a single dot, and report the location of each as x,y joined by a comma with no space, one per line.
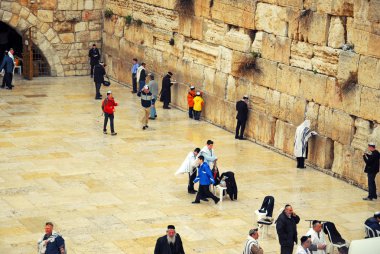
116,194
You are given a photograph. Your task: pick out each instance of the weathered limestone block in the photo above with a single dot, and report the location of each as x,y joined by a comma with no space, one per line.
119,27
288,79
301,54
14,21
362,132
16,8
261,127
369,72
348,62
357,37
313,28
298,4
196,28
369,99
284,136
95,36
321,151
201,8
335,124
276,48
258,98
81,26
24,13
336,33
242,88
271,19
82,36
352,100
201,53
67,37
266,74
158,17
48,4
32,19
348,162
312,111
91,15
258,42
336,7
374,11
291,109
63,27
313,86
236,40
66,5
373,45
231,89
243,13
215,31
94,25
375,135
334,95
45,15
225,60
325,60
88,4
184,26
50,34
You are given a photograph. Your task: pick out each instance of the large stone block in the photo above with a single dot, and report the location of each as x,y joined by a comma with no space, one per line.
197,28
362,132
348,63
67,37
201,53
336,33
297,4
313,28
48,4
237,40
266,73
369,100
119,27
335,124
271,19
214,31
284,137
243,13
313,86
325,60
276,48
225,60
336,7
288,79
373,45
321,151
301,54
45,15
369,72
334,97
261,127
258,98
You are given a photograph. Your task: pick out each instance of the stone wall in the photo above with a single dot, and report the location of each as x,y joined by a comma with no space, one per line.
302,73
64,30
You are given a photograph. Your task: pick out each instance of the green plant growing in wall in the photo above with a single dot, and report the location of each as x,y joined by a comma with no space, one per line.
128,20
184,7
249,63
108,13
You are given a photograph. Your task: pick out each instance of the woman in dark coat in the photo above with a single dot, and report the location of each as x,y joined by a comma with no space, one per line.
165,94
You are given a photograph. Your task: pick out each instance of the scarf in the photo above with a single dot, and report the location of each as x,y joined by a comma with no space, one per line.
248,245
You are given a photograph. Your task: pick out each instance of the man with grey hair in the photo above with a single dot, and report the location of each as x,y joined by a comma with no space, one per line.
252,245
286,227
170,243
153,88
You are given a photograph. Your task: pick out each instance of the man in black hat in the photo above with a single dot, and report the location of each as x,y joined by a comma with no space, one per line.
99,73
165,94
371,159
94,56
170,243
242,115
374,224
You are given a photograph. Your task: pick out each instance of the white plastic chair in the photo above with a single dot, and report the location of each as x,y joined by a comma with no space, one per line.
369,232
333,245
221,189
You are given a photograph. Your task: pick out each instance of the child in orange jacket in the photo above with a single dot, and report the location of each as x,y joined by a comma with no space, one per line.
190,100
198,104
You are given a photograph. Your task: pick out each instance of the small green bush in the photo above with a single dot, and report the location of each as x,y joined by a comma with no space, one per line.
128,20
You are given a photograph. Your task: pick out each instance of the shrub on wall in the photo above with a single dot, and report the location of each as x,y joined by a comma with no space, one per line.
108,13
128,20
185,7
249,64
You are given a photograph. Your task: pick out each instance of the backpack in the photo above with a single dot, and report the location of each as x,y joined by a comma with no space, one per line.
104,103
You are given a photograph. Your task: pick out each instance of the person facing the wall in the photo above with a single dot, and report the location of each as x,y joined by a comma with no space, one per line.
94,56
303,133
242,116
371,159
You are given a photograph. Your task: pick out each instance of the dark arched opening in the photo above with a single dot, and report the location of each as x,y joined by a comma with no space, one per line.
10,38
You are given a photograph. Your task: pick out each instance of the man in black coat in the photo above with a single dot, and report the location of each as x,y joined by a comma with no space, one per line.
242,115
165,94
94,56
170,243
286,226
99,73
371,160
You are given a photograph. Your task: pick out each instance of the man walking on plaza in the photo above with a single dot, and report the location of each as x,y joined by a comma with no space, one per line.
99,72
286,227
108,106
242,115
371,159
51,242
146,103
252,245
153,88
135,66
170,243
205,178
94,56
165,94
8,66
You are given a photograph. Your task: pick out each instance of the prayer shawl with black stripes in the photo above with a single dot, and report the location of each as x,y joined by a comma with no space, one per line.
303,133
248,245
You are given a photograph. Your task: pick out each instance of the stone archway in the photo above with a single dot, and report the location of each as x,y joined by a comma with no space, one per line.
21,19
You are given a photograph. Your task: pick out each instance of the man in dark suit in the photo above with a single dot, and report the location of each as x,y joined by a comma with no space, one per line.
99,73
170,243
242,115
8,66
286,227
371,159
94,56
165,94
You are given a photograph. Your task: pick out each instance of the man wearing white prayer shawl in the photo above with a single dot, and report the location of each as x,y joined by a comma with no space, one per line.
303,248
252,245
208,153
317,238
189,165
303,133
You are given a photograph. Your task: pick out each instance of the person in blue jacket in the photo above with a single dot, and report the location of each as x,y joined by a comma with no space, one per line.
205,178
8,66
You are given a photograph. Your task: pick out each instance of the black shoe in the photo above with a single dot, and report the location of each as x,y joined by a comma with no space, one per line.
195,202
152,118
367,198
8,88
155,115
113,133
144,128
204,199
98,98
242,138
133,92
167,107
12,86
236,137
217,201
192,192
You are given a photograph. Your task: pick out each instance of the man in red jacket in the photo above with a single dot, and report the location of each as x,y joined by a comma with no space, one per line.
108,106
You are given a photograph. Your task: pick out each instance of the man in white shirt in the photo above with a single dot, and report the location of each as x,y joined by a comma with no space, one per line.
208,153
318,241
189,165
303,248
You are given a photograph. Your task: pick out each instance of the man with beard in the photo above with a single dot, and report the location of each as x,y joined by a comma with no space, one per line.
165,94
170,243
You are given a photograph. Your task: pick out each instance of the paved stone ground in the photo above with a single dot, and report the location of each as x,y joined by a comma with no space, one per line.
117,194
